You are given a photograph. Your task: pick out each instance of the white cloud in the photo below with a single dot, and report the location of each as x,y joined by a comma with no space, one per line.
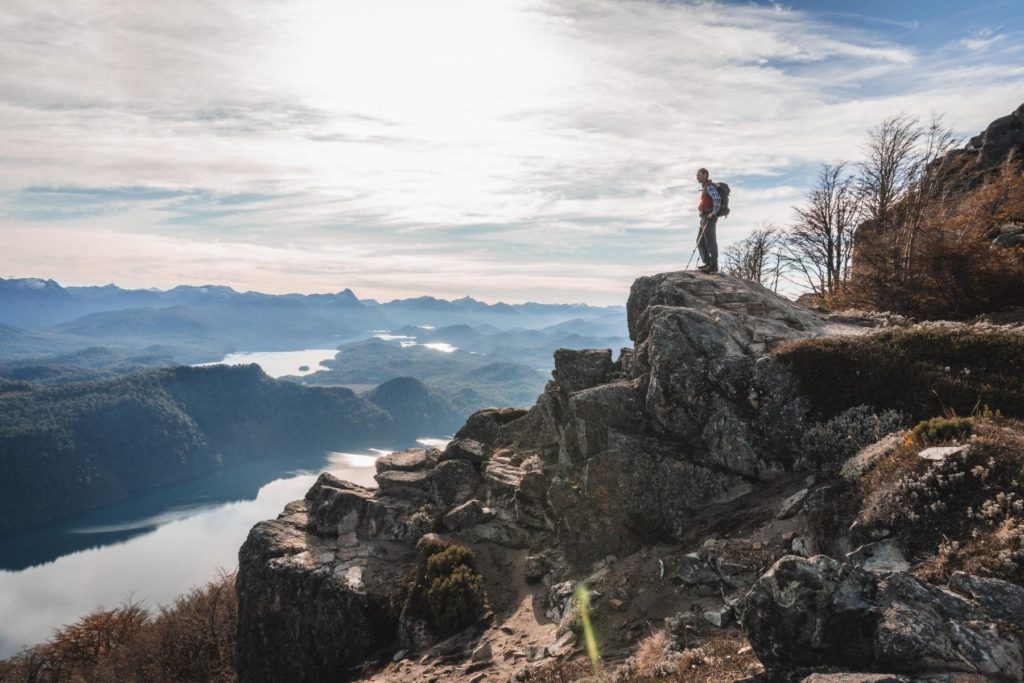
979,40
496,136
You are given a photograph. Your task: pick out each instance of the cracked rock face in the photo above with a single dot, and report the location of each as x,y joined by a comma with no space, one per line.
817,611
315,584
615,454
312,605
694,415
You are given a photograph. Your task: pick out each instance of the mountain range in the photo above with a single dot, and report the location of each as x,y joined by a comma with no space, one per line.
195,324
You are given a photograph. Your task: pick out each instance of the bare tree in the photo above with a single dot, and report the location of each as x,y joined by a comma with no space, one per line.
899,190
924,193
819,244
888,168
757,257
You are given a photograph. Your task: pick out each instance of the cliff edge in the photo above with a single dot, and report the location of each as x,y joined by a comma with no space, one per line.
675,482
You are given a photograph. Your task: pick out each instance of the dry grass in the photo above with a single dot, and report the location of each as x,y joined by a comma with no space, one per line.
876,487
651,654
966,513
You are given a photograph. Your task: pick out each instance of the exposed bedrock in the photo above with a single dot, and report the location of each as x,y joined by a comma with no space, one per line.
805,613
615,453
694,415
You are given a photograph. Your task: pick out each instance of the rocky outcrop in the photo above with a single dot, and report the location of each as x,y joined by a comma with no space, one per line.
1001,142
1002,138
616,454
317,585
694,415
806,613
312,595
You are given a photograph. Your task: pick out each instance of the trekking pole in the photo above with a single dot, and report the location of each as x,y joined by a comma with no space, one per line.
700,234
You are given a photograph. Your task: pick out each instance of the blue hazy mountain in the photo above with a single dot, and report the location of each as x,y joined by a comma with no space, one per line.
198,323
31,302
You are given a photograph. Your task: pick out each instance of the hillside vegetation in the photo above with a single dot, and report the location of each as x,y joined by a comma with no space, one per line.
72,447
921,372
190,640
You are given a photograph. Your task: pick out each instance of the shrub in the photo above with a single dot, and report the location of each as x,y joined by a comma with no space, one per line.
456,600
921,372
941,429
951,270
827,445
998,553
445,590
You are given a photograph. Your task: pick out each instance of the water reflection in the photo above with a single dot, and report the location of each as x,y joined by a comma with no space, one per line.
151,549
143,514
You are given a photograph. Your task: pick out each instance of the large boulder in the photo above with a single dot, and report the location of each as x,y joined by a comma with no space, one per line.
576,370
818,612
639,489
766,317
483,425
311,607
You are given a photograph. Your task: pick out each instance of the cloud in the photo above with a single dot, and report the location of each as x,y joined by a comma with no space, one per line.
547,141
980,40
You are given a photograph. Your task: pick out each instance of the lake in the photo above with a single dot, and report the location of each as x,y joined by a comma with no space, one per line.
280,363
151,548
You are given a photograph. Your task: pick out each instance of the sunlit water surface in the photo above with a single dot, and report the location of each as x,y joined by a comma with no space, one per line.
280,363
152,548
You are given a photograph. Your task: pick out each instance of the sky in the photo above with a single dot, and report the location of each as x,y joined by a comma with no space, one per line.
509,150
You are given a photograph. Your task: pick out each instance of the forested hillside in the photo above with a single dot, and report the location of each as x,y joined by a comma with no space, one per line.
71,447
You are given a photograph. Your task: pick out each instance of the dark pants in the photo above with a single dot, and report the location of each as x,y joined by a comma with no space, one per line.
708,242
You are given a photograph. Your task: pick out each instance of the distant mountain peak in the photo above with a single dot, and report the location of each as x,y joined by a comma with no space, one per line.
347,294
33,283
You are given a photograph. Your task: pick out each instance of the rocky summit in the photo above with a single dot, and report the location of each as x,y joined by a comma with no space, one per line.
668,480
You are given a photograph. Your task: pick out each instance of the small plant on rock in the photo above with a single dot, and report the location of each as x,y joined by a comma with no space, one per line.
941,429
446,590
827,445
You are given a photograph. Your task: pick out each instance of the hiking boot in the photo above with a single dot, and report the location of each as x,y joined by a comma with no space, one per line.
704,268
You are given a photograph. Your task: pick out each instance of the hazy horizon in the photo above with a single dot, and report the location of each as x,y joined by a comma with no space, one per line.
513,150
450,298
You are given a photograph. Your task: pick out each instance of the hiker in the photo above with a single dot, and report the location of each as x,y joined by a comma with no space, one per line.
710,207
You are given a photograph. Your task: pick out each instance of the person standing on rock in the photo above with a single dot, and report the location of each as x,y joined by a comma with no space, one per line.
709,207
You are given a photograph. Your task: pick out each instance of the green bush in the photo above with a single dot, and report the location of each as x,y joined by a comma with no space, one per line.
456,600
446,560
446,590
940,429
920,372
827,445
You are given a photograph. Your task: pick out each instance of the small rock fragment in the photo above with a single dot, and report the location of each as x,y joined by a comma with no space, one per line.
719,618
803,546
535,653
481,654
940,453
793,504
